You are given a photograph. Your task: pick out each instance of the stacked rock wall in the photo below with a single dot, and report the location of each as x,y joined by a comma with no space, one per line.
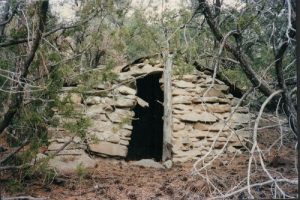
199,113
201,118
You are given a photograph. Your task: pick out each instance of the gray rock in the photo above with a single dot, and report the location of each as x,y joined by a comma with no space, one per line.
100,86
182,107
77,140
179,134
56,146
63,140
234,101
99,136
38,157
190,153
114,138
148,163
224,88
210,100
219,108
125,132
178,126
212,127
119,115
175,111
124,142
183,84
189,77
242,110
168,164
75,98
240,118
244,133
182,100
181,159
75,152
200,134
66,164
212,92
109,149
209,79
126,90
93,100
127,126
142,103
195,117
97,126
180,92
115,117
144,69
98,109
175,120
124,76
125,103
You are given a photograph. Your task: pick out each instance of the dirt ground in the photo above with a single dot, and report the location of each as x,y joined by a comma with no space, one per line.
120,180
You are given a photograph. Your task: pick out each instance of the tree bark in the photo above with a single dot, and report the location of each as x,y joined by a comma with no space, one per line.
167,128
288,105
17,99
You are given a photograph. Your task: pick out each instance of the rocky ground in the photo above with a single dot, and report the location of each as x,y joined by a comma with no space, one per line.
123,180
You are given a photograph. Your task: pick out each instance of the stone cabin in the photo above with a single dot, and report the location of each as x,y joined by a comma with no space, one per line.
127,122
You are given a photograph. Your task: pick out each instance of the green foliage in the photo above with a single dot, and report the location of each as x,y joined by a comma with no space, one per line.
138,37
238,77
18,33
181,67
81,171
42,171
15,186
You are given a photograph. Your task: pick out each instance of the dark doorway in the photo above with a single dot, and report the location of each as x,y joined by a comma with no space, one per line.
147,134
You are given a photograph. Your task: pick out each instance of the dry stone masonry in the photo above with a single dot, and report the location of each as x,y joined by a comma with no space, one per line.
200,107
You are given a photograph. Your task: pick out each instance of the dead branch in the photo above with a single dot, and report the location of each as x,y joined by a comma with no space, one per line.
255,144
288,105
290,181
15,151
24,198
12,167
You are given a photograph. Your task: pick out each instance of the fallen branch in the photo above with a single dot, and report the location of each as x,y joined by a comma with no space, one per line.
15,151
24,198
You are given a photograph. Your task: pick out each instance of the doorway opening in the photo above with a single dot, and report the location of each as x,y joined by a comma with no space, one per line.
147,134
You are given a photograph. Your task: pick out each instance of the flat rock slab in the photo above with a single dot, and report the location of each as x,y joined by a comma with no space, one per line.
195,117
125,103
109,149
66,164
126,90
148,163
184,84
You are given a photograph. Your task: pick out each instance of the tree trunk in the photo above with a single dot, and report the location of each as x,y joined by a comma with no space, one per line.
167,129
